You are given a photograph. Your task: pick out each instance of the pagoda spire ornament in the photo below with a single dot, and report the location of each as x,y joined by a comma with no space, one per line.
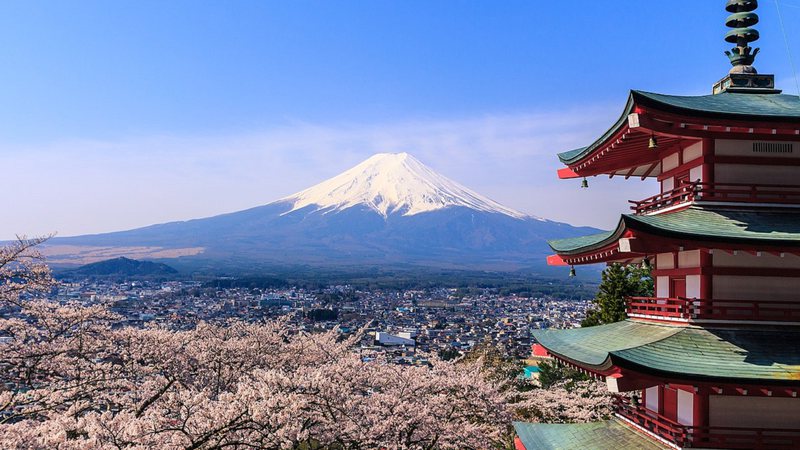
743,77
742,19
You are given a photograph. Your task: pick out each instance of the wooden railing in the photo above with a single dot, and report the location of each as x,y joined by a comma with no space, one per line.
690,191
662,307
650,420
684,193
707,437
703,309
748,193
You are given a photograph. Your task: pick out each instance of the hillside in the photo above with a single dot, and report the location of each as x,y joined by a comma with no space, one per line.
123,267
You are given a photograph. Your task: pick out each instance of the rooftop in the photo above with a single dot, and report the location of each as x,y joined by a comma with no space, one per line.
607,435
708,224
753,107
733,355
747,106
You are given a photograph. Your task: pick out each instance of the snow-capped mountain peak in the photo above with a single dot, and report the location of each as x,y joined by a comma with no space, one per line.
390,183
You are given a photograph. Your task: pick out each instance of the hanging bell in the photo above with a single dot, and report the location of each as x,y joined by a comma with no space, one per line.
572,271
653,142
646,263
584,183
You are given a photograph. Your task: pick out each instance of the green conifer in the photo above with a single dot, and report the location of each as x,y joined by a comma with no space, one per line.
618,283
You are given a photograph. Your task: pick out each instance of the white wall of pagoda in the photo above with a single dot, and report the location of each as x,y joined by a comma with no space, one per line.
746,174
735,287
651,398
689,284
740,275
673,403
736,163
761,260
744,281
733,163
754,412
687,158
736,411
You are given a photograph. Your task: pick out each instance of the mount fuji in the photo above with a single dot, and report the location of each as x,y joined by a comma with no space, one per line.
391,209
394,184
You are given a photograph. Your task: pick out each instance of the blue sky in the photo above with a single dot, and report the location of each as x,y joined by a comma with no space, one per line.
122,114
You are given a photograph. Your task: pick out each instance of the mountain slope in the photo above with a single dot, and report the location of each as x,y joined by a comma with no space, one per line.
390,184
388,210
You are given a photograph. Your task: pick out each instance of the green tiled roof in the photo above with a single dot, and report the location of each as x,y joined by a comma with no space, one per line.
684,352
700,223
591,345
572,154
739,225
583,243
748,106
729,104
607,435
715,353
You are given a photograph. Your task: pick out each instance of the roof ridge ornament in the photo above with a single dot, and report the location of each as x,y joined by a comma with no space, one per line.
743,77
741,20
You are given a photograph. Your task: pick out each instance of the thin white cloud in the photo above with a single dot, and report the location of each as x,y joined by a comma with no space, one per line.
91,186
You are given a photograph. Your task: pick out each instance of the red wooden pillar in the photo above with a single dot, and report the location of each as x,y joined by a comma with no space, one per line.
706,278
644,398
700,413
701,408
708,158
670,403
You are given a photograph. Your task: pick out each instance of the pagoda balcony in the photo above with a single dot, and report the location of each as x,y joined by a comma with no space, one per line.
698,310
691,192
686,436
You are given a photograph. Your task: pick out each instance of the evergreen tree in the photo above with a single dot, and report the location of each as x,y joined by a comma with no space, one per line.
551,373
618,283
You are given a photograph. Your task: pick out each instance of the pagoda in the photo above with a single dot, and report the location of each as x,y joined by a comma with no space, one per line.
712,360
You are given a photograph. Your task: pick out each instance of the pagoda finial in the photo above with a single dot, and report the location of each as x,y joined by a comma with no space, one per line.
743,77
742,18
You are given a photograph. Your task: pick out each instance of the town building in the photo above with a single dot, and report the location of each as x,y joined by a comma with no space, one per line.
712,360
403,339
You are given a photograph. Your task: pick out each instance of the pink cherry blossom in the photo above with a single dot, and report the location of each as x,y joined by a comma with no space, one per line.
71,381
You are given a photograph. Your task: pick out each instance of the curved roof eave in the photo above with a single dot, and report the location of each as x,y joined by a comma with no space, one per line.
697,224
592,347
766,107
581,244
649,224
681,352
616,360
576,155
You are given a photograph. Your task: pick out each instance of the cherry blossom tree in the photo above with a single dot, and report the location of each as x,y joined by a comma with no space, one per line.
73,380
569,401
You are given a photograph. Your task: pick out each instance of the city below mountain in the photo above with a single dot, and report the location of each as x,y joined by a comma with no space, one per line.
390,210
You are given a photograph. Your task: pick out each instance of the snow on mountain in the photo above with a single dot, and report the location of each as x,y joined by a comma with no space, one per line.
393,183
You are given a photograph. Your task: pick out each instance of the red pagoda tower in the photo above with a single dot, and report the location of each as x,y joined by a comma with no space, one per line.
713,359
